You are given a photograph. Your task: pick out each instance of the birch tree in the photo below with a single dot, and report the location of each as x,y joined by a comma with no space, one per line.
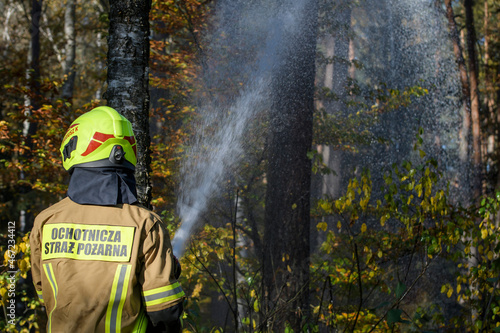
128,79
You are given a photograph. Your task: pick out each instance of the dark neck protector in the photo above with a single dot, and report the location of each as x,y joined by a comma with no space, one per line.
102,186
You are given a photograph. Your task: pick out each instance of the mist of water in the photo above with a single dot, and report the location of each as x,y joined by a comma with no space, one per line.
211,157
414,40
221,129
404,43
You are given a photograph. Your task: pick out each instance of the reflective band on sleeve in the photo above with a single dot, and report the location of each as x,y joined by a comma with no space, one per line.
87,242
40,295
53,284
163,294
117,298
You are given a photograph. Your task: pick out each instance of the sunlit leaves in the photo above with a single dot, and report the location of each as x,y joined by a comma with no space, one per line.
322,226
175,26
14,271
207,267
422,219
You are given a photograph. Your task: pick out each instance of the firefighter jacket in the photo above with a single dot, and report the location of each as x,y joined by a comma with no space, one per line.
100,268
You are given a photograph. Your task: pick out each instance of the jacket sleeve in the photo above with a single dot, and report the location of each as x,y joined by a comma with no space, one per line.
35,243
162,294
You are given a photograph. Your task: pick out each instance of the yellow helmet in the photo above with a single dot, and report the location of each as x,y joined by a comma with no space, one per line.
99,138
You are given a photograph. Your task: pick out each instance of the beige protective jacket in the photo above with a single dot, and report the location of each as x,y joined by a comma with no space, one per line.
98,268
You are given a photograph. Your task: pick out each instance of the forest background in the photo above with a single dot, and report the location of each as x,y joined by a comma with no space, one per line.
398,158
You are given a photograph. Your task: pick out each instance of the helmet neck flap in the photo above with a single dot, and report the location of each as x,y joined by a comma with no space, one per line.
106,186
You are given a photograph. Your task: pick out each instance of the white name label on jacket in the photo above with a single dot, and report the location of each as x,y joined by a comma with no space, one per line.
87,242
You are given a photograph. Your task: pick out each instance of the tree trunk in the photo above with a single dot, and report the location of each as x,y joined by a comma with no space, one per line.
490,89
31,102
34,61
70,50
338,160
474,99
489,101
337,46
341,64
128,79
287,214
466,119
497,128
6,39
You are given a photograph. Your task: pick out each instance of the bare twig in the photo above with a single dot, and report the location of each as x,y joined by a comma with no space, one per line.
360,287
424,269
235,296
229,303
321,300
488,307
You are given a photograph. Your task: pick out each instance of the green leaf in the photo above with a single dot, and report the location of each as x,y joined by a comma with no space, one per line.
492,280
394,316
256,306
322,226
381,305
326,206
400,289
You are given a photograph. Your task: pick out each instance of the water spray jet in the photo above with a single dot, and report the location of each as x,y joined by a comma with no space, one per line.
213,154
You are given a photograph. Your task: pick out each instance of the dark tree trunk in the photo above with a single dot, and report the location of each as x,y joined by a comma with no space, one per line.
34,59
474,99
287,215
128,75
32,102
340,71
490,134
70,50
497,129
489,99
464,80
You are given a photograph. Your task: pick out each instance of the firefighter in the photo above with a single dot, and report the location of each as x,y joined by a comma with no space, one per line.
100,261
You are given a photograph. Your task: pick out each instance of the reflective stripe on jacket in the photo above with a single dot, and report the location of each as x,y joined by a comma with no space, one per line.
99,268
